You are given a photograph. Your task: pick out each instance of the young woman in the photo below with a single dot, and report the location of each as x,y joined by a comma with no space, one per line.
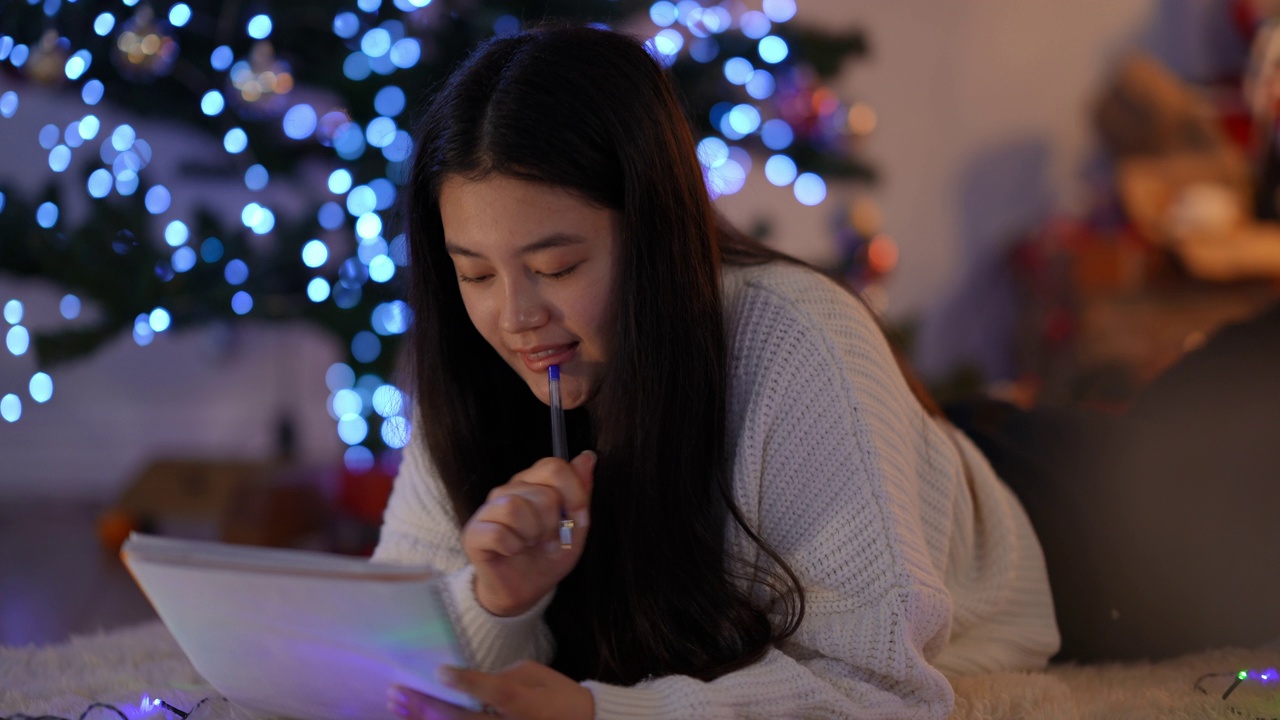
768,522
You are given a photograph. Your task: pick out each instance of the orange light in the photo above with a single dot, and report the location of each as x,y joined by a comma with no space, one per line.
824,101
862,119
865,217
882,254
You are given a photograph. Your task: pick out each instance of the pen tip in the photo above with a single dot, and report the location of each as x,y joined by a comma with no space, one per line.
553,372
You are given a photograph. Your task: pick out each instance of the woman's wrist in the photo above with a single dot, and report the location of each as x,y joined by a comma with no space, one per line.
490,602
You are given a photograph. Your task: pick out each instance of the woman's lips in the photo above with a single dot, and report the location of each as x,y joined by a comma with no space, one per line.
545,358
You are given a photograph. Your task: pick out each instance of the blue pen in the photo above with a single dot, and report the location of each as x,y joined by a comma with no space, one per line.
559,446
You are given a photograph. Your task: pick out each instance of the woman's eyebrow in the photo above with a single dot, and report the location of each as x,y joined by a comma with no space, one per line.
553,240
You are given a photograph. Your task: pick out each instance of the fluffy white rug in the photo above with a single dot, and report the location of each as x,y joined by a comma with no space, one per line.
123,666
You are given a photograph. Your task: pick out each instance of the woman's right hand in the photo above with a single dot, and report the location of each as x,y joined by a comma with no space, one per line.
513,540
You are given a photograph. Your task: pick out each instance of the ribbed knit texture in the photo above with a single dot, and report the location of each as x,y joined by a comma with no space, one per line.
918,563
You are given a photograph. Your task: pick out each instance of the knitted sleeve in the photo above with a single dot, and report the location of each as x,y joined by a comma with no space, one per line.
419,527
825,467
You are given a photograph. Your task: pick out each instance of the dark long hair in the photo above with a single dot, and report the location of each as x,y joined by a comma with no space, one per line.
655,591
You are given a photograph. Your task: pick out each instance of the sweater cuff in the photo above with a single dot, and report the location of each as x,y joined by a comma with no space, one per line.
489,642
638,701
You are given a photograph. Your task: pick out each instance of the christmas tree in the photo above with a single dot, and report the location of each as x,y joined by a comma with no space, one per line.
286,84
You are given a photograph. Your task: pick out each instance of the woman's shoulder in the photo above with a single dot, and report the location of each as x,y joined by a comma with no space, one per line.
792,294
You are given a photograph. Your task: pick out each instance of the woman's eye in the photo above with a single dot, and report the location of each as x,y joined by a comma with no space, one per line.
563,273
465,279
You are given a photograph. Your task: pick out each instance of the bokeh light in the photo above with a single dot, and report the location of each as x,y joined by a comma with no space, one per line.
712,152
380,131
99,183
358,459
91,94
103,24
339,181
212,103
221,58
777,134
395,432
755,24
11,407
346,25
389,101
318,290
405,53
256,177
13,312
236,272
241,303
179,14
315,253
810,189
211,250
40,387
159,320
300,122
176,233
157,199
780,170
69,306
345,402
388,400
89,126
183,259
376,42
235,141
779,11
77,64
365,347
738,70
339,376
259,27
761,85
47,215
773,49
48,136
361,200
353,429
368,226
59,158
381,269
17,340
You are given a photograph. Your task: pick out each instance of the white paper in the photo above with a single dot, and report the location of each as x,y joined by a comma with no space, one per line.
298,634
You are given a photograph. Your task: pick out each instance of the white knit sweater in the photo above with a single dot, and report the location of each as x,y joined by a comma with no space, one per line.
917,562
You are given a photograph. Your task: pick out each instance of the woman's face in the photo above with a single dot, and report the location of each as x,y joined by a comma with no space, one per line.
535,269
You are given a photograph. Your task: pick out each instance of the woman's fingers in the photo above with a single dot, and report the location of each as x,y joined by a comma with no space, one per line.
414,705
565,478
529,511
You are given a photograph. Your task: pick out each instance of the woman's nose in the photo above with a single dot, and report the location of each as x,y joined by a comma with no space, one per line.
524,308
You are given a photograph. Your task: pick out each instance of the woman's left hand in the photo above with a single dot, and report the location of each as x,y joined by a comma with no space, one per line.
524,691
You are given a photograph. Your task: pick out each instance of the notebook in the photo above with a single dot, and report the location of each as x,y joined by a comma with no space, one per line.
295,633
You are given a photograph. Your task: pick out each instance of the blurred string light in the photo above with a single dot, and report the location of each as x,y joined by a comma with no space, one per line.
784,101
318,290
258,87
13,312
69,306
40,387
315,253
11,407
91,94
256,177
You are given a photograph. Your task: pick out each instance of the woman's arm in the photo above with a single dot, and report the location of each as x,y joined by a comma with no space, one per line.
419,527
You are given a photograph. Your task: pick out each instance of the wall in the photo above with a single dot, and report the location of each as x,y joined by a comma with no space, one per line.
983,132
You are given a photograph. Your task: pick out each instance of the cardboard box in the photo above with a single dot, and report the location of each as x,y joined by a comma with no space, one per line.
245,502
